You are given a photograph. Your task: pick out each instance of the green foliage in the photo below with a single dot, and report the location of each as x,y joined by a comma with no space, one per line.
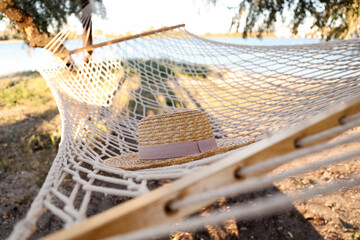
194,70
28,91
47,13
4,163
44,140
335,19
11,32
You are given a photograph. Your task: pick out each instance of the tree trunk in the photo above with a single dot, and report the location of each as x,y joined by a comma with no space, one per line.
27,26
25,23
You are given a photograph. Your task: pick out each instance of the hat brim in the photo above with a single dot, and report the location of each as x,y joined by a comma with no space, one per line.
131,161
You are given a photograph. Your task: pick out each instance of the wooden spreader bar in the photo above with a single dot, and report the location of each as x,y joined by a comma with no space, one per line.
92,47
151,209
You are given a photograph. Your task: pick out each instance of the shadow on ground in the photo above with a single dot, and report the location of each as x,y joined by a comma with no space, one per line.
289,224
27,148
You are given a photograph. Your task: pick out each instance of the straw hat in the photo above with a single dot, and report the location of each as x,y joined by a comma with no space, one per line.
174,138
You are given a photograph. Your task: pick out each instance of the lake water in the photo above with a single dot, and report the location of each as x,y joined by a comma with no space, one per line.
17,57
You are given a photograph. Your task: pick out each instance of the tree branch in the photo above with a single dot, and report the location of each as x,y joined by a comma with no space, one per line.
25,23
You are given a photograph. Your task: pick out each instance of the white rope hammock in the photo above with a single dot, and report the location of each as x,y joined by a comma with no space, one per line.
248,92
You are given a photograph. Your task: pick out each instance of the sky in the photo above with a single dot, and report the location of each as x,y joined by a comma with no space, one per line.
198,16
123,16
139,15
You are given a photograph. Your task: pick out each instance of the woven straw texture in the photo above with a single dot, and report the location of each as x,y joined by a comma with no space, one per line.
131,161
187,126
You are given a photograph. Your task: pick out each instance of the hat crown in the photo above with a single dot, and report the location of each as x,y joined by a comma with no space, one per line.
186,126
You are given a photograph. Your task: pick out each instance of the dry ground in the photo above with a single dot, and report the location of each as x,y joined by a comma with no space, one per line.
30,132
29,135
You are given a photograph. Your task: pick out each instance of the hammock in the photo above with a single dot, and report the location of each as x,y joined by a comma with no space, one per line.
248,92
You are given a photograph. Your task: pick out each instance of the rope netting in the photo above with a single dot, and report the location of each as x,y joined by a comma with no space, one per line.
248,93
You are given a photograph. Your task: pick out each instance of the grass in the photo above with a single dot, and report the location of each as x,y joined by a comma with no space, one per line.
30,131
27,89
4,163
